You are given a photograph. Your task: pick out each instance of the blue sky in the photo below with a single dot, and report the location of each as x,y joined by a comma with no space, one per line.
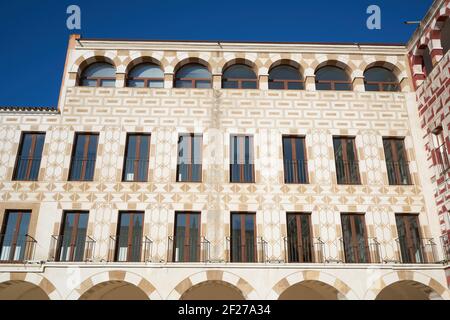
34,36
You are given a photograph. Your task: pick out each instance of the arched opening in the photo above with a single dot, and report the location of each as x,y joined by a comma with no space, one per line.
21,290
311,290
193,75
408,290
333,78
285,77
213,290
146,75
114,290
380,79
239,76
445,36
98,74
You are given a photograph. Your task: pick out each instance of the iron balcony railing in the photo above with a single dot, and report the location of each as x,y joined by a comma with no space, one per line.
17,248
347,172
425,251
362,252
242,173
295,171
124,249
189,172
64,248
27,168
192,249
252,250
445,244
82,169
306,251
398,172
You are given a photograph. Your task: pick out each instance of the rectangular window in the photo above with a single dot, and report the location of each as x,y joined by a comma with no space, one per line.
396,161
295,163
241,159
440,150
243,237
137,154
409,238
129,238
29,157
187,237
14,240
189,166
84,154
347,167
72,239
299,237
356,246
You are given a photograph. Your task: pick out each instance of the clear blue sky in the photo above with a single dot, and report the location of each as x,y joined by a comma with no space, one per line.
34,34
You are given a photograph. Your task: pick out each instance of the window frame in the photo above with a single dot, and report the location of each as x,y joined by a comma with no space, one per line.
16,235
347,176
242,165
354,238
136,158
98,80
395,159
300,253
73,244
333,83
381,84
191,157
409,256
243,238
85,153
239,81
192,80
131,234
440,150
293,139
186,238
145,80
286,82
30,158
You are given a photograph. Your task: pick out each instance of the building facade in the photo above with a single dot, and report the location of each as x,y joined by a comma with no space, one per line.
186,170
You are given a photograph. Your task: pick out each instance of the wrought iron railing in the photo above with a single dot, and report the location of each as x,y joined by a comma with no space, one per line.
411,252
64,248
17,248
135,169
347,172
192,249
295,171
398,172
27,168
124,249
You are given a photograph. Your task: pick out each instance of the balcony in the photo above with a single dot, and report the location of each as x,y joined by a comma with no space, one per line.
17,248
398,172
248,251
347,172
193,249
136,170
65,249
130,249
423,252
306,251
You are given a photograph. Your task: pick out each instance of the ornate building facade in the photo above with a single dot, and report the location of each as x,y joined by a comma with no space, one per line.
185,170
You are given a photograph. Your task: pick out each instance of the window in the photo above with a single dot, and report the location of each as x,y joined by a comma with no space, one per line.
99,74
29,157
241,159
380,79
146,75
347,167
83,157
189,167
243,237
299,237
409,238
187,237
136,158
239,76
427,64
332,78
445,36
356,247
440,150
129,237
285,77
396,161
193,76
15,244
72,239
295,163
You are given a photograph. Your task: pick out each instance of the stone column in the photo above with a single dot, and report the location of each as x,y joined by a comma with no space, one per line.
358,84
120,80
168,80
217,81
264,82
310,83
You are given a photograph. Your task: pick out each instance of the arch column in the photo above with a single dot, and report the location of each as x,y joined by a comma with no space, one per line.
358,84
263,82
217,81
120,80
310,83
168,80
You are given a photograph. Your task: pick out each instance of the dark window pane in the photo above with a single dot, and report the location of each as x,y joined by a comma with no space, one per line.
354,238
14,242
129,237
343,86
347,166
204,84
284,72
83,157
299,238
187,237
295,86
156,83
323,86
295,164
228,84
239,71
249,85
137,158
276,85
189,167
372,87
29,157
183,84
243,238
396,161
409,238
73,237
241,159
331,73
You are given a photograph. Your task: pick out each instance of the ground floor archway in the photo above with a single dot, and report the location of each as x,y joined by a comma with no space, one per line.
21,290
310,290
114,290
213,290
408,290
